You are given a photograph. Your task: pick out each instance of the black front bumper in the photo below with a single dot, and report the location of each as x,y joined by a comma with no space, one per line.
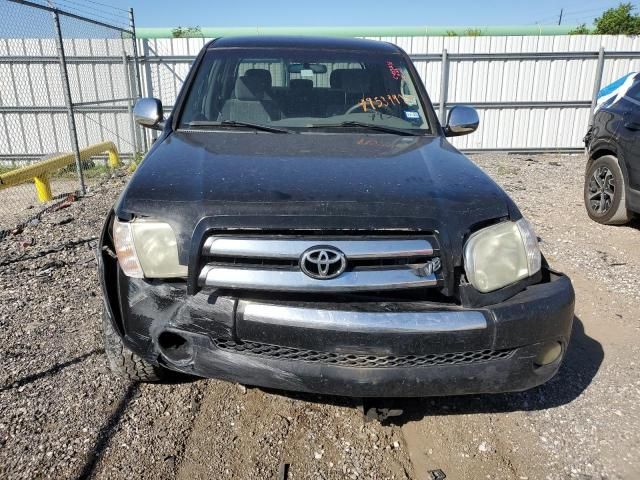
483,350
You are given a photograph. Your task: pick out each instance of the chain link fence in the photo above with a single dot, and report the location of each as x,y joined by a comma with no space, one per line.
69,77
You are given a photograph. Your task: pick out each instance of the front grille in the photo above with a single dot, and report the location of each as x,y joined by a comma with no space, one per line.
292,264
286,263
359,360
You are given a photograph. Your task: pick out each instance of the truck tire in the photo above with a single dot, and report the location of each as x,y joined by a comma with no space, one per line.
123,362
604,192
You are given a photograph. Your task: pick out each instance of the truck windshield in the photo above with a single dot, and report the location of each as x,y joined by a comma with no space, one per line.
300,89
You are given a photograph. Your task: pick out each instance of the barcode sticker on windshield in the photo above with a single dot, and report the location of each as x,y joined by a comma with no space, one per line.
411,115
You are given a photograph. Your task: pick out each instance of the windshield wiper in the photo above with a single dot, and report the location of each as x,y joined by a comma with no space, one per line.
371,126
235,123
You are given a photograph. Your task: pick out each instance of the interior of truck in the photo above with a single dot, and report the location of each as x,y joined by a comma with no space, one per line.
293,90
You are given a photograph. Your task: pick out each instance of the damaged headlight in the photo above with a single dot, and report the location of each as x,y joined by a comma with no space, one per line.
147,249
501,254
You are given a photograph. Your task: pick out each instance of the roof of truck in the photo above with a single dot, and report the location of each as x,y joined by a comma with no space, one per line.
259,41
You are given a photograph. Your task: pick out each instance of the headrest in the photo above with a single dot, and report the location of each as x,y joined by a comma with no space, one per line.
355,81
263,76
249,88
301,84
335,79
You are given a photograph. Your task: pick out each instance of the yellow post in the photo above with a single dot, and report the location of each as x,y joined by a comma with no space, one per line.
43,188
40,171
114,160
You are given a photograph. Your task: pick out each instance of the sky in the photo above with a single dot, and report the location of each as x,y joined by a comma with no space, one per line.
214,13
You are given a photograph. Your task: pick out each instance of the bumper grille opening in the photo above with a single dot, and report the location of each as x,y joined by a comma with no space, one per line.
277,352
290,264
275,263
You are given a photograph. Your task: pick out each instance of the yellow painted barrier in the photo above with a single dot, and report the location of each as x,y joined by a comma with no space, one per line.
43,188
39,172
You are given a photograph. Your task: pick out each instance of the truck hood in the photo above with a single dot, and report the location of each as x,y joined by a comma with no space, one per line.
320,181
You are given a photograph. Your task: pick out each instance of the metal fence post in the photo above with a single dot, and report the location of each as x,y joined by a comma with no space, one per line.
147,68
73,134
132,124
132,95
444,86
147,77
597,83
138,82
132,25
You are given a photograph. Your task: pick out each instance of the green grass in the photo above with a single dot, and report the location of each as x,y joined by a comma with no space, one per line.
96,171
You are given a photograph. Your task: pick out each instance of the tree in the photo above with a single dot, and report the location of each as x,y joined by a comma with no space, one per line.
184,32
618,21
580,30
473,32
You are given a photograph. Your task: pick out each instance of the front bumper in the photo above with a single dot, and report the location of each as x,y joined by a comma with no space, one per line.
363,349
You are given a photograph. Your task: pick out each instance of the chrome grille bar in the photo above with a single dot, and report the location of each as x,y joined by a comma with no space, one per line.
296,281
292,249
279,263
365,322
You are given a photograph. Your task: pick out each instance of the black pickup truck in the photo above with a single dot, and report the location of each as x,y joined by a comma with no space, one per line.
302,223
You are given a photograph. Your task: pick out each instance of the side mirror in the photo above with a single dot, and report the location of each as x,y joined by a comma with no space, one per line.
148,113
461,121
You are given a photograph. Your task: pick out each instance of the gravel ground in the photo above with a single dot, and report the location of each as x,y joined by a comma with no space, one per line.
62,415
548,190
584,423
19,203
59,407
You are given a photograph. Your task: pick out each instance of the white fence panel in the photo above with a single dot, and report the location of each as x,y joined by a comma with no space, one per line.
517,80
474,80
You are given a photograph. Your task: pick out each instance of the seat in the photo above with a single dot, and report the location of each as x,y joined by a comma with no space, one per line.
301,85
261,75
335,79
354,83
251,102
300,98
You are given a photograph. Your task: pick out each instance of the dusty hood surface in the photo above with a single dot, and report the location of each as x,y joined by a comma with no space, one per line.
311,181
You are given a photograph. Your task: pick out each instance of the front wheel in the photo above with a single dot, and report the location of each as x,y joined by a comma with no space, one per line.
123,362
604,195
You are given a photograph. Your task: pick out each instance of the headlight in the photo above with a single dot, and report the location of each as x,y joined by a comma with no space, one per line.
147,248
501,254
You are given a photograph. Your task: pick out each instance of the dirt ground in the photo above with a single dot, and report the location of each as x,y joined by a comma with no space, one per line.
62,415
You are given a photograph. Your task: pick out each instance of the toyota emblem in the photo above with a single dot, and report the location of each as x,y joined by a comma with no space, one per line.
323,263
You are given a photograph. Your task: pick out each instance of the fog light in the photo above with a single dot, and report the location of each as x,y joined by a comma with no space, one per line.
550,353
175,347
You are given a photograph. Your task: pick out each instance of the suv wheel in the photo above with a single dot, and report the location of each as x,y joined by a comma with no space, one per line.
604,192
123,362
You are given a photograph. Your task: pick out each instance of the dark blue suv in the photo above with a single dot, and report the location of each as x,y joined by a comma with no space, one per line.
612,180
